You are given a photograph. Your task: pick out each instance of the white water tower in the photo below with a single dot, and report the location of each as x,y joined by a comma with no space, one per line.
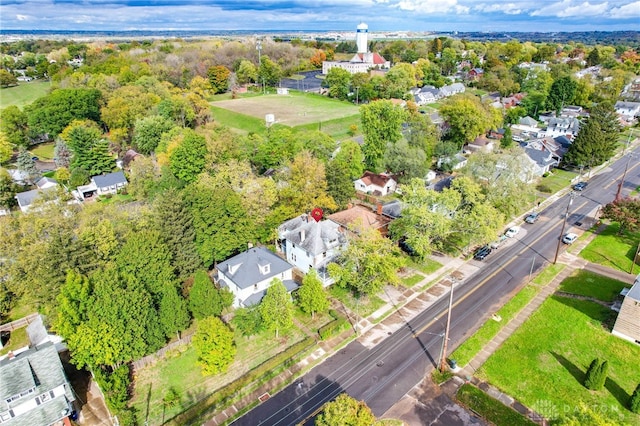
361,37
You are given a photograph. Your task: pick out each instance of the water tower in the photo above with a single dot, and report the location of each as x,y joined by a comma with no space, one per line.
361,37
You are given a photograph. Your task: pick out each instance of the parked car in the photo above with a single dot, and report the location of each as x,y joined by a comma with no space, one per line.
497,243
580,186
569,238
512,232
532,217
482,252
405,247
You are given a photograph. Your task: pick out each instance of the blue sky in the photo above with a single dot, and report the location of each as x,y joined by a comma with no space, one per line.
322,15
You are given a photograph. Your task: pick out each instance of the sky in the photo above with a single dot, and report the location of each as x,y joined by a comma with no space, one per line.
322,15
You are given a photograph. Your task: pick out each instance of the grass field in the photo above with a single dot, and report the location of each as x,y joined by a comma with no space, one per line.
43,151
23,94
588,284
490,408
557,180
543,363
613,250
291,110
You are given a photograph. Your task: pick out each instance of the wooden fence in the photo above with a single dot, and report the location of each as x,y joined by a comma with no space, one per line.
149,359
19,323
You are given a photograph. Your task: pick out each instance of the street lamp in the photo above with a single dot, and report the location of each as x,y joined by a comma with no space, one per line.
564,223
259,49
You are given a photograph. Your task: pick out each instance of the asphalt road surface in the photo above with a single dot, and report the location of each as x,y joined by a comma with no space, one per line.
382,375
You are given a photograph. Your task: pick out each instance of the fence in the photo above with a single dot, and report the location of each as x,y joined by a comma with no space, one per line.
149,359
19,323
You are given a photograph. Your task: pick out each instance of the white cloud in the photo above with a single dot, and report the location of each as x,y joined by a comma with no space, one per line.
433,6
22,17
569,9
631,10
507,8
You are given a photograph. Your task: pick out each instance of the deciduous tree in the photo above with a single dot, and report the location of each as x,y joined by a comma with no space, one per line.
13,123
148,132
214,345
276,308
219,78
205,299
369,262
381,125
312,297
306,185
625,211
345,410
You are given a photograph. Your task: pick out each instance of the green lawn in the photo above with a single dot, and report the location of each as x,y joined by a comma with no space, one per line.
179,371
543,363
23,94
427,266
556,180
490,408
363,306
613,250
243,123
412,280
467,350
587,283
338,128
18,338
43,151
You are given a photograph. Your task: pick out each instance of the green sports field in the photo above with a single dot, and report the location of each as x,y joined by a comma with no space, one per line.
23,94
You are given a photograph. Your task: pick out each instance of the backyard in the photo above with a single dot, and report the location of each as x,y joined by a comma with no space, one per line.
613,250
179,372
543,364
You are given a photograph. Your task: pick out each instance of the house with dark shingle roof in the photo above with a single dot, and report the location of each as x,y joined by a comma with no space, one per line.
110,183
309,245
46,193
34,390
248,275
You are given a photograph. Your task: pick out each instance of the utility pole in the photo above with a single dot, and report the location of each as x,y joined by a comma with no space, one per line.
443,357
618,194
564,223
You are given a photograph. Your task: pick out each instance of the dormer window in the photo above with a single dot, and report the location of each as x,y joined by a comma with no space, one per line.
265,269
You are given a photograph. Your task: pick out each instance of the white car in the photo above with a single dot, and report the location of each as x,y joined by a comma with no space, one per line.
569,238
512,232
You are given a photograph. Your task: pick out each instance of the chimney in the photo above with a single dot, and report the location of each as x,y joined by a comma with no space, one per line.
249,245
379,209
349,206
11,355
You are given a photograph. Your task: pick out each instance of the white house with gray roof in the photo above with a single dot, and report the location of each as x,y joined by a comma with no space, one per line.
248,275
46,191
111,183
308,244
34,390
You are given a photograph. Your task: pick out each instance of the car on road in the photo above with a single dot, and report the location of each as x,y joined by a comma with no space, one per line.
580,186
482,252
569,238
532,217
512,232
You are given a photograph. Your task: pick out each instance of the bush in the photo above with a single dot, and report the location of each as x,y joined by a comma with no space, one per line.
335,327
115,386
544,188
596,375
634,401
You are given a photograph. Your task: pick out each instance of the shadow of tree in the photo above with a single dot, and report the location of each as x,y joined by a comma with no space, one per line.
620,394
594,310
575,371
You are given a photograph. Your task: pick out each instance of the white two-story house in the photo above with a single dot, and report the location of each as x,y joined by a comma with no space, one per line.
309,244
377,184
248,275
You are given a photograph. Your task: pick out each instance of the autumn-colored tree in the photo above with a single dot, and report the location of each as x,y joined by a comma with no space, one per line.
219,78
318,58
214,345
306,185
625,211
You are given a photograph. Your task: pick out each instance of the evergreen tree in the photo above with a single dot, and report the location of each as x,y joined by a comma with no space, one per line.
592,373
205,299
170,214
172,312
591,147
312,297
62,154
507,140
27,165
634,401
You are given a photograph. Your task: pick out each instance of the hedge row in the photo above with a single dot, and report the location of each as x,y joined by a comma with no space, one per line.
333,328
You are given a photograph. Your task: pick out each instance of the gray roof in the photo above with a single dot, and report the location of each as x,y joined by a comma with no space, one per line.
256,298
313,237
528,121
39,368
634,293
115,178
393,209
45,181
28,197
542,158
246,266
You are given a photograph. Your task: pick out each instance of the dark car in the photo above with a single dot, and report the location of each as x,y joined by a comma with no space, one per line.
405,247
482,252
532,217
580,186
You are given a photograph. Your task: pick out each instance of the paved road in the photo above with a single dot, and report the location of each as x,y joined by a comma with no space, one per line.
381,376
